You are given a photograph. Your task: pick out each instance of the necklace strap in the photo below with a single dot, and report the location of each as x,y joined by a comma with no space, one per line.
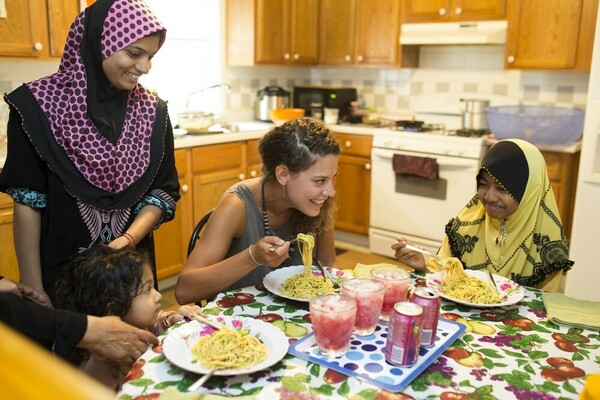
265,216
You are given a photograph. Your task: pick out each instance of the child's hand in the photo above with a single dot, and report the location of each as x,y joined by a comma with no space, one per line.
185,311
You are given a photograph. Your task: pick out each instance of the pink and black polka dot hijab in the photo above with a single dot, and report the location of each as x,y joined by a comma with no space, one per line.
105,132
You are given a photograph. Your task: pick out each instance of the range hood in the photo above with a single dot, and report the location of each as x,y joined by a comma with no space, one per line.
480,32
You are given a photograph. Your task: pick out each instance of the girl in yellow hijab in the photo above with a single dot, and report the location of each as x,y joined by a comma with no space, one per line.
511,225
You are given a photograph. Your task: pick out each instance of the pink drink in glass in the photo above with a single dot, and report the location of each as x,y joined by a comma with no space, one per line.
396,287
368,294
332,317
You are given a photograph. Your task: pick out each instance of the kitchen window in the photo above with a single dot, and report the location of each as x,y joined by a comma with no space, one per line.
190,58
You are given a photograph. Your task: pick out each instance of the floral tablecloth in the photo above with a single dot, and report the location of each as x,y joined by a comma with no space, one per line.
511,352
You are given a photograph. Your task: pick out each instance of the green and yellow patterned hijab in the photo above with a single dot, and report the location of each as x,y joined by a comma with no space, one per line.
535,247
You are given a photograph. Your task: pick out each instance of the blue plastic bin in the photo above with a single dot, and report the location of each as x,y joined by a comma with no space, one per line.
536,124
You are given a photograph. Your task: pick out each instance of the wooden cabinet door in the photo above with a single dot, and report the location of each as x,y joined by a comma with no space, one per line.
24,31
424,10
215,168
353,194
336,32
353,183
286,31
8,266
253,160
377,32
61,14
452,10
171,238
304,28
476,10
543,34
271,31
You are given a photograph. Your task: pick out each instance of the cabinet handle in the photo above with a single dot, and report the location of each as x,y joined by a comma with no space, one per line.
296,56
442,11
286,56
38,46
458,11
185,188
368,166
359,58
253,173
242,177
347,144
347,58
510,59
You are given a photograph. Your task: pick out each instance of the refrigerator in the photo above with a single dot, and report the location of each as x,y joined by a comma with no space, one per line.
583,281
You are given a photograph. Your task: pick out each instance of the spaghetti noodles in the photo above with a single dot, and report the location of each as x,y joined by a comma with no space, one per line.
458,284
229,348
306,285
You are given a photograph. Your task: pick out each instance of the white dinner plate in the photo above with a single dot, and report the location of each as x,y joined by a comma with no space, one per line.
513,290
178,344
274,279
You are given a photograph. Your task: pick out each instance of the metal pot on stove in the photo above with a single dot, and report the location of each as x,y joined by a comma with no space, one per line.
474,116
270,98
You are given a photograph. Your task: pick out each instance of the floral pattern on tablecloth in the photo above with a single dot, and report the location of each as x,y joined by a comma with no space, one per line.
506,353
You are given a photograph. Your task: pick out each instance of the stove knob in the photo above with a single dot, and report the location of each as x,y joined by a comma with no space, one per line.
461,150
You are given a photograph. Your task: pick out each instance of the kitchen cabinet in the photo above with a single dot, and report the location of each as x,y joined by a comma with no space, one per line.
214,169
550,34
562,172
353,183
205,173
8,266
272,32
355,33
171,238
452,10
36,29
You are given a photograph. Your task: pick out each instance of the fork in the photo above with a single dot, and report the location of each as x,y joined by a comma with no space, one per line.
275,246
437,258
327,275
493,282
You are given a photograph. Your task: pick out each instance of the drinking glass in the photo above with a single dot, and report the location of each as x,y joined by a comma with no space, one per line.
332,317
368,294
395,281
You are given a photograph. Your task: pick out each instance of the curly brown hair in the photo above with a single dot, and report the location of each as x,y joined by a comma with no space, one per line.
298,144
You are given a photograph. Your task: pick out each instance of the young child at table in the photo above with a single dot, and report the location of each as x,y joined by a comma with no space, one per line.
103,281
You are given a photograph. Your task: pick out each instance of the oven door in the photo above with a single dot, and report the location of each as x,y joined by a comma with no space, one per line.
416,208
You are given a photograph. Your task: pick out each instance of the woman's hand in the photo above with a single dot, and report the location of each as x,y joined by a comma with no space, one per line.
27,292
119,243
270,251
411,258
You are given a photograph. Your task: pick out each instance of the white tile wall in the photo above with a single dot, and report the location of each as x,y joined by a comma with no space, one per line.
470,69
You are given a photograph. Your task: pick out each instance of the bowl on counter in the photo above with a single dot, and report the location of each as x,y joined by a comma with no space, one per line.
281,115
195,121
536,124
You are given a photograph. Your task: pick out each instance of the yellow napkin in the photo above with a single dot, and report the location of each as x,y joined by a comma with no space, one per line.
364,270
565,310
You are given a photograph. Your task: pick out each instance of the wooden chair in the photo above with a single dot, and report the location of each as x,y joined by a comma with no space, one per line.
197,230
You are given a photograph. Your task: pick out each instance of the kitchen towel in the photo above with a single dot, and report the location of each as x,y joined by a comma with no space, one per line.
565,310
414,166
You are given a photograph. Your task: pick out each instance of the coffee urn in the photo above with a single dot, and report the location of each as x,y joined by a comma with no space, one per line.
270,98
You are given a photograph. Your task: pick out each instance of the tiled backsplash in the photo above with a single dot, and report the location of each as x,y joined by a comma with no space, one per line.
457,69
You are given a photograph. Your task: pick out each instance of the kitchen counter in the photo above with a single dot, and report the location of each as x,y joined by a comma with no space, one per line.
256,130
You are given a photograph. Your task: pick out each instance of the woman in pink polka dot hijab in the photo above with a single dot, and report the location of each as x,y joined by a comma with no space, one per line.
90,151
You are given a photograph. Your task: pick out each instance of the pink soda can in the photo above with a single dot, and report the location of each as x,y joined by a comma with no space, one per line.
430,302
404,334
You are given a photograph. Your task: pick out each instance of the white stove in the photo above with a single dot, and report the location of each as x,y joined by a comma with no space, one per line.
414,207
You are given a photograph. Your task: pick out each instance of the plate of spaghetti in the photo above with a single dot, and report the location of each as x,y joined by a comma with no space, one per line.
293,283
472,287
243,346
301,282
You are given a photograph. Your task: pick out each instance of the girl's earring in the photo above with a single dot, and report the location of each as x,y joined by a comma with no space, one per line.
285,190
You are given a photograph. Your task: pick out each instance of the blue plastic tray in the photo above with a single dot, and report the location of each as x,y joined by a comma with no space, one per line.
366,359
